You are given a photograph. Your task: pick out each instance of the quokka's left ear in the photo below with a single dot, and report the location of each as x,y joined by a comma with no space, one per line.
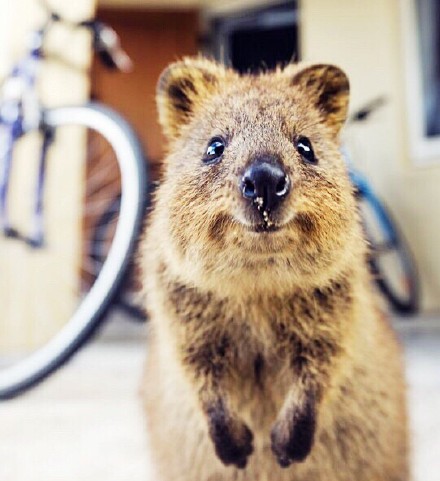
328,88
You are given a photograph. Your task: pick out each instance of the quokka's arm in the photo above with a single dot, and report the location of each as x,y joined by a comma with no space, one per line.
312,343
208,356
293,433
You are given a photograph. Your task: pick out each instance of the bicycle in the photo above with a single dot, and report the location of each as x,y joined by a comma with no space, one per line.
390,259
93,130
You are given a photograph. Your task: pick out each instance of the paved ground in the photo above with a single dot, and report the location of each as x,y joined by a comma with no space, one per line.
85,424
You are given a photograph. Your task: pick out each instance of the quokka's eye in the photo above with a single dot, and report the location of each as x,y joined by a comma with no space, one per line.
305,149
214,151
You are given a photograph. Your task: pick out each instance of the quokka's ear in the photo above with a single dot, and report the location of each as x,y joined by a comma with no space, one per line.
328,88
182,88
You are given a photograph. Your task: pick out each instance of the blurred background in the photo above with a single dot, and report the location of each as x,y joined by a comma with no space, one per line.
389,49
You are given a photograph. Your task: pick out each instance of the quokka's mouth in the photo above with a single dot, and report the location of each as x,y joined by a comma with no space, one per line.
264,222
264,227
261,218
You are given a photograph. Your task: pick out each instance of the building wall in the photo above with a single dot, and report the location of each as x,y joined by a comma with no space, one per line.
365,39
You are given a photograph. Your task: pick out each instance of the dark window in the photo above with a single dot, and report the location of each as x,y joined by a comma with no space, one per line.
262,38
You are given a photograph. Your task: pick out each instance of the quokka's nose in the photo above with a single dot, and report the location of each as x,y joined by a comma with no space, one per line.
265,183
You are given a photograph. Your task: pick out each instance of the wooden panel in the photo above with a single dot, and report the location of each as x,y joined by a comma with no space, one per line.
152,39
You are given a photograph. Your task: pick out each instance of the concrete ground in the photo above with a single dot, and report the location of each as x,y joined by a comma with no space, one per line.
85,423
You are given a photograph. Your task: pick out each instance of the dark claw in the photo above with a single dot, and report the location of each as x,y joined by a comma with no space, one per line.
232,439
292,439
231,450
283,462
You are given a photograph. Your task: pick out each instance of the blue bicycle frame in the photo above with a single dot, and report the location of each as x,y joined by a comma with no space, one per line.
20,113
364,190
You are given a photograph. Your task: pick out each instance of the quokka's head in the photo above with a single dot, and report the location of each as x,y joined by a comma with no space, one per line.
254,177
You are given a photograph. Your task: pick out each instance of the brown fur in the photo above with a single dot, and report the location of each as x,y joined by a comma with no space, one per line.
268,358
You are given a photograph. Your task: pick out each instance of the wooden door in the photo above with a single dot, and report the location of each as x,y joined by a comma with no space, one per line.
152,39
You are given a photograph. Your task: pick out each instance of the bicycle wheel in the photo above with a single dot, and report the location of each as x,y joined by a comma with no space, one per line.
391,261
128,296
94,154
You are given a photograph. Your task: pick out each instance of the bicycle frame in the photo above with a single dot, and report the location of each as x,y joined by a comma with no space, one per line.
363,189
21,112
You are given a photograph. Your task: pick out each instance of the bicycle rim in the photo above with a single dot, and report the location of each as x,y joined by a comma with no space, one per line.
84,293
129,297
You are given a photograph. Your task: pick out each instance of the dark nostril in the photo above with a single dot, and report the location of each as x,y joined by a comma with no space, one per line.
282,186
248,188
265,183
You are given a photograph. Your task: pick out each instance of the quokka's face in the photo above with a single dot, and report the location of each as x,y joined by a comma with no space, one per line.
255,164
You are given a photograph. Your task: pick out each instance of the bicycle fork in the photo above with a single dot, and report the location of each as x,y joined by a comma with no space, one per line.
36,237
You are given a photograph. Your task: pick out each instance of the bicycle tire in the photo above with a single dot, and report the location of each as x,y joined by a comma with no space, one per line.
89,314
403,298
126,298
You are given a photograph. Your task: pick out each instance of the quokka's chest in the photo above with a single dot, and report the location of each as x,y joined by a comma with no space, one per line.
255,333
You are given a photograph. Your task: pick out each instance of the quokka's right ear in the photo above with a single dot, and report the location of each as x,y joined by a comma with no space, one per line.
327,87
182,88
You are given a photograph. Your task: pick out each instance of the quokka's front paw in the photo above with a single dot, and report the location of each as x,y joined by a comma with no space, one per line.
232,438
292,436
